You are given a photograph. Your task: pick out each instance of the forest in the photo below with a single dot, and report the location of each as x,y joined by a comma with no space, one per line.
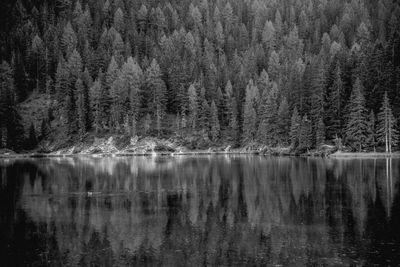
291,73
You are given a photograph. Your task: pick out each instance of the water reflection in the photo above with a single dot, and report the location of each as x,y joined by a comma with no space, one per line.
193,211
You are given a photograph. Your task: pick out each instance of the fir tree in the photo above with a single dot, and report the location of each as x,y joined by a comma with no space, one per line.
274,68
305,134
334,110
268,128
295,125
97,104
147,124
215,128
83,107
132,77
357,126
317,100
283,123
68,40
387,132
193,107
249,113
32,141
44,129
157,89
233,122
268,36
38,60
320,133
11,130
204,116
371,136
62,80
74,67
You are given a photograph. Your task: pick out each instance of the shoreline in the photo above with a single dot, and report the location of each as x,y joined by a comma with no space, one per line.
336,155
139,154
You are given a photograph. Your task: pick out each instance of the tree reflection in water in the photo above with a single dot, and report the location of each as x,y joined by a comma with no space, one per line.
191,211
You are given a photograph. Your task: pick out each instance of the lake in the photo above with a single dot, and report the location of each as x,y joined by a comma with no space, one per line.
196,211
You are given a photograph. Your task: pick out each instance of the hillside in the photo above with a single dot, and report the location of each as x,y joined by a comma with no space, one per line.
297,74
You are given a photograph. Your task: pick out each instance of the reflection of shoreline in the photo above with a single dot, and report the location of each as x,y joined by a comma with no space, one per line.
369,155
209,200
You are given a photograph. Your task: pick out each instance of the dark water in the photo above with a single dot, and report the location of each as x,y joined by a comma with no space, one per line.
196,211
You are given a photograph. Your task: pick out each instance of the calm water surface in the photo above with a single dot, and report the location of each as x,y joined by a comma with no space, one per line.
199,211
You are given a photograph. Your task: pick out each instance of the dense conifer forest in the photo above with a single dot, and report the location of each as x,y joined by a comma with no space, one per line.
299,73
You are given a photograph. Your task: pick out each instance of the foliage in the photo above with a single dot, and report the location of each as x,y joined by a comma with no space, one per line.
256,61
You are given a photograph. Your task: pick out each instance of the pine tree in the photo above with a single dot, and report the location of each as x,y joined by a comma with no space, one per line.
334,104
283,123
357,126
215,128
193,107
38,62
74,68
133,80
70,113
32,140
62,80
274,68
156,89
268,128
295,125
387,132
11,130
147,124
249,113
234,123
83,107
227,111
68,40
204,114
371,136
44,129
109,96
320,133
96,101
264,84
268,36
119,23
305,135
317,100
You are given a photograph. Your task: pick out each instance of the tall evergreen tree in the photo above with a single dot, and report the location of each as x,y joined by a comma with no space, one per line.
357,126
11,130
317,100
204,116
83,107
334,110
156,89
268,130
68,40
283,123
32,141
371,137
249,113
62,80
387,128
320,133
193,107
305,134
295,127
215,127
